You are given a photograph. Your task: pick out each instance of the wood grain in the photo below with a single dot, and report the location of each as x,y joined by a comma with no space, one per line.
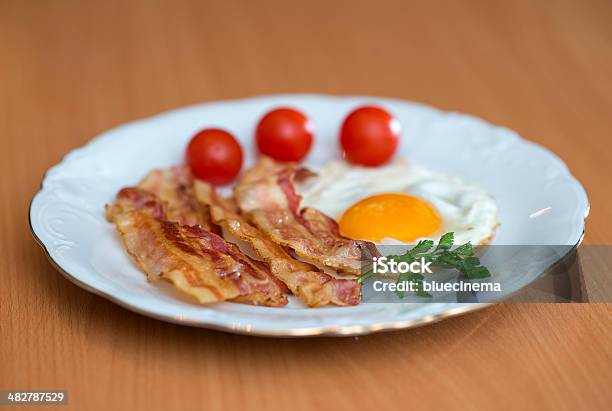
71,69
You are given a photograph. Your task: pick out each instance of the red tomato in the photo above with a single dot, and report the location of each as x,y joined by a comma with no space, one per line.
284,134
215,156
369,136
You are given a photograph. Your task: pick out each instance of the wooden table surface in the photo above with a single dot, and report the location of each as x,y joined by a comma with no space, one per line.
71,69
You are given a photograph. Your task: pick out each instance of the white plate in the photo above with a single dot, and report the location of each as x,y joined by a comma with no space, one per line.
67,215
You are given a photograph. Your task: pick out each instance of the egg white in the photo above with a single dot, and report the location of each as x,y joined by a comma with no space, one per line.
465,209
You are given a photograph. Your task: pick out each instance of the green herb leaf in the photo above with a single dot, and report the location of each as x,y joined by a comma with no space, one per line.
401,278
417,280
465,250
446,241
476,272
422,247
472,261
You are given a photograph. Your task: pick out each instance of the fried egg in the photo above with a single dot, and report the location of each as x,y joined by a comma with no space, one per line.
400,203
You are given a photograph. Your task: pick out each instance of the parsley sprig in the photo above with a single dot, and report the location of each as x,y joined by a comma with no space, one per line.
460,258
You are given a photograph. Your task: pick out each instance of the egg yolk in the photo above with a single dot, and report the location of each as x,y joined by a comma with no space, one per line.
398,216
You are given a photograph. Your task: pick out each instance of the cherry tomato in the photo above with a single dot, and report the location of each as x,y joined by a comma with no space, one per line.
215,156
284,134
369,136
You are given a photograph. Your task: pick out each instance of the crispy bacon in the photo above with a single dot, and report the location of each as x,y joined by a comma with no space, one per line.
197,261
174,187
314,287
267,196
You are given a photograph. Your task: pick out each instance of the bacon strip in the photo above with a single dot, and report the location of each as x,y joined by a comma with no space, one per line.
196,261
174,187
267,196
314,287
